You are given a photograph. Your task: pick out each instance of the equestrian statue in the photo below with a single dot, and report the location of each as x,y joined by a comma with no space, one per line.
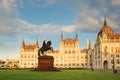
45,47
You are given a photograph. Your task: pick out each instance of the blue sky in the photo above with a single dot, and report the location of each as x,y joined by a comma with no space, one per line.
46,19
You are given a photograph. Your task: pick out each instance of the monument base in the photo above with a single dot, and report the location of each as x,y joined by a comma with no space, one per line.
46,63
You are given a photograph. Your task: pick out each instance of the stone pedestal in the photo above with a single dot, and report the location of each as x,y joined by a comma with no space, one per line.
46,63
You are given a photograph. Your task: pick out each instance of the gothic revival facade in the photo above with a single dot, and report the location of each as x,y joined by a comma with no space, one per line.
28,55
104,55
106,52
69,55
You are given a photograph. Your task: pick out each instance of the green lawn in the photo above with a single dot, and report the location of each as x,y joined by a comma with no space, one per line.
61,75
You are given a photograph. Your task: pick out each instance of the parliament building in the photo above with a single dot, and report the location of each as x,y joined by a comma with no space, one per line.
69,55
106,51
104,55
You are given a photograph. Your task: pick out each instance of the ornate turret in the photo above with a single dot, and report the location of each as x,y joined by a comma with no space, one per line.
90,47
23,44
37,43
105,22
61,36
76,37
105,29
87,43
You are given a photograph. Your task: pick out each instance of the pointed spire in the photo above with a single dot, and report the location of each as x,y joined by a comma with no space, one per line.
23,43
76,36
105,21
87,43
37,43
61,36
90,47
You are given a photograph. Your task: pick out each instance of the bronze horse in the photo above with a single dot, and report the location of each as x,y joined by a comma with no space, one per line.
45,47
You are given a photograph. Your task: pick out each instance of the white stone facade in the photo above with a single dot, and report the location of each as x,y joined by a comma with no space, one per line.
106,52
28,56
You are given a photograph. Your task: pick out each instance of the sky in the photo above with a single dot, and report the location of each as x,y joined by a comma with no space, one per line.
46,19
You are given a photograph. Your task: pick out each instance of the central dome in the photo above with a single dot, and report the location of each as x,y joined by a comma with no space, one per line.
105,29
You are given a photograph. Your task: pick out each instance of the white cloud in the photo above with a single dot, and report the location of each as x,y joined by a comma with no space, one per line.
8,8
69,28
87,20
115,2
42,3
91,25
8,4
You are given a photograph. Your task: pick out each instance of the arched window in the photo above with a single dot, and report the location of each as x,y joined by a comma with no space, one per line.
35,56
105,49
86,57
69,51
65,51
28,63
22,56
24,63
32,56
32,64
28,56
73,51
112,49
25,56
116,49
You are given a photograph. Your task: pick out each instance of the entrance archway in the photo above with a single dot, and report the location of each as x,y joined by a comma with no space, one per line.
105,64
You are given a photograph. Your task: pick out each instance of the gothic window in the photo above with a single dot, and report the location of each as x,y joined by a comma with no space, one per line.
86,57
117,55
56,64
111,55
112,49
69,51
32,56
117,61
111,61
82,64
90,56
118,49
36,63
73,64
65,51
28,63
25,56
73,51
24,63
105,49
22,56
65,64
35,56
69,64
32,64
28,56
82,57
